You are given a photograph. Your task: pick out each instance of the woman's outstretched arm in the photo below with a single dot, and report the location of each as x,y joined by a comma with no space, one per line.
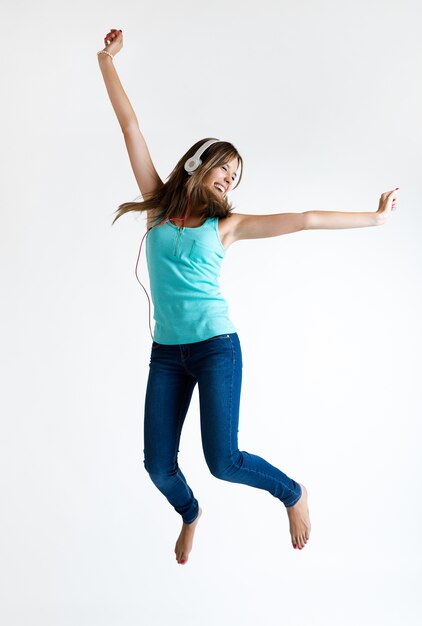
246,226
140,159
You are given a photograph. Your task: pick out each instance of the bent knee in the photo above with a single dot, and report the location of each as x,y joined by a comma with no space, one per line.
225,468
224,471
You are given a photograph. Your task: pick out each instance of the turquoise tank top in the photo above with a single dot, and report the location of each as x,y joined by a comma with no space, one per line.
184,271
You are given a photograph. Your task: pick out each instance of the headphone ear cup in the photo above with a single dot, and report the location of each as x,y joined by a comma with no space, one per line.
192,164
195,161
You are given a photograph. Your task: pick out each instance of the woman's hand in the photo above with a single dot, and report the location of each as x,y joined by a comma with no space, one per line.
387,204
113,41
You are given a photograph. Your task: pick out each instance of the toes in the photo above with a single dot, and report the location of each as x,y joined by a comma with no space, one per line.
300,541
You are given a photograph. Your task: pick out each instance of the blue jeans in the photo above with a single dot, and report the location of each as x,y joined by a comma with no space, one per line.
216,365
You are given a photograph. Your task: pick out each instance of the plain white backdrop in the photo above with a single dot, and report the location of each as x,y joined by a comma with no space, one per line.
323,101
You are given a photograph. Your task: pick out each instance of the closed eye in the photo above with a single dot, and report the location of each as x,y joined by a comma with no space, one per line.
225,168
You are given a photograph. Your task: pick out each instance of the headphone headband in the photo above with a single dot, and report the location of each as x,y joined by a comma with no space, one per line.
194,162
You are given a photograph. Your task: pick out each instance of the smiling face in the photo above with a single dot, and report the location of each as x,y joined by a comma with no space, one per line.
222,177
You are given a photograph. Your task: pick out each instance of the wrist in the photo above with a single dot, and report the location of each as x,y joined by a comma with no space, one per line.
104,56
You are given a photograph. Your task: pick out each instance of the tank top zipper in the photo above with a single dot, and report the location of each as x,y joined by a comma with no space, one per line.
177,240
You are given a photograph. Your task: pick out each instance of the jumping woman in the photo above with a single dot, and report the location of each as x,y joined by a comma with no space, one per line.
194,339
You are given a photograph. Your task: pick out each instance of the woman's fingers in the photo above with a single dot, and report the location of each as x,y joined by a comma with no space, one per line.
112,34
393,195
113,41
388,202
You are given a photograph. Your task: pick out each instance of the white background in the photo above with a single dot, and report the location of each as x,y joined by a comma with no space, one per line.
323,100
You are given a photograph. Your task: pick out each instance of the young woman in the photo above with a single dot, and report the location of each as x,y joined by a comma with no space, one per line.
194,339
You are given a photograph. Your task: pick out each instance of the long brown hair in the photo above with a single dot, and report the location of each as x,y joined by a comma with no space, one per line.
170,199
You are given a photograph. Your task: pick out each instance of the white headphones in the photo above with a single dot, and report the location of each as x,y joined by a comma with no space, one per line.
194,162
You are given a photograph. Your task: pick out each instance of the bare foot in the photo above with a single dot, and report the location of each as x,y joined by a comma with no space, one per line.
185,540
300,524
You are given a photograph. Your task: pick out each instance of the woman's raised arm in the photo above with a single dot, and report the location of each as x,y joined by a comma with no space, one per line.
143,168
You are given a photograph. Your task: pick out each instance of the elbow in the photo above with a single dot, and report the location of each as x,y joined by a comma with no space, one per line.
306,220
129,126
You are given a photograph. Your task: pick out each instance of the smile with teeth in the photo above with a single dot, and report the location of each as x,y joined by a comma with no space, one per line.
219,186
